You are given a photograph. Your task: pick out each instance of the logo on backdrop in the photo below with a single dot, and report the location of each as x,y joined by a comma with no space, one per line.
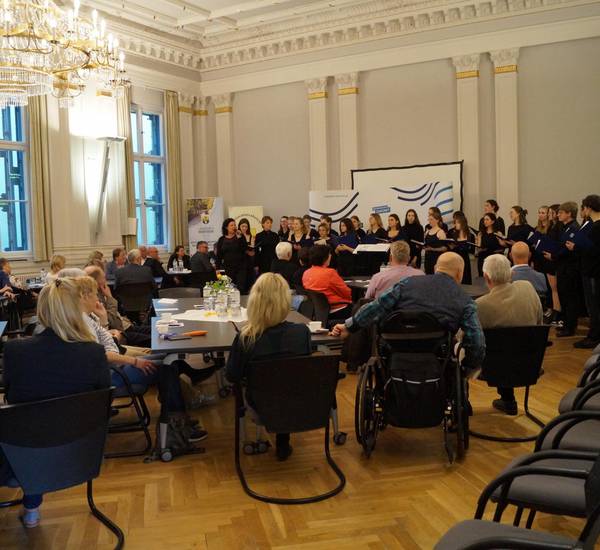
432,193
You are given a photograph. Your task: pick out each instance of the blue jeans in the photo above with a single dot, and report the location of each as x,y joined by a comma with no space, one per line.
170,382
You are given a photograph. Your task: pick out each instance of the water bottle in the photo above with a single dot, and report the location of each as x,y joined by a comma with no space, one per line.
42,275
221,304
234,298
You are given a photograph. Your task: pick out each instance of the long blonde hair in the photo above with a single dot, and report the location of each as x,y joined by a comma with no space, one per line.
268,305
59,309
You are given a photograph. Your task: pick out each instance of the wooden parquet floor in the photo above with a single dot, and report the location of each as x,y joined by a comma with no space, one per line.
405,496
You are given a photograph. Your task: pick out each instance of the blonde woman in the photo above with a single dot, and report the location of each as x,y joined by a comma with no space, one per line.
96,258
57,263
61,360
267,334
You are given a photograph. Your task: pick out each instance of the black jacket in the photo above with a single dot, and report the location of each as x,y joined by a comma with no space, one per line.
133,274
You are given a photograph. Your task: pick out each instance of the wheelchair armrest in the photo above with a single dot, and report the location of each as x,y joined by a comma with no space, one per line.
570,419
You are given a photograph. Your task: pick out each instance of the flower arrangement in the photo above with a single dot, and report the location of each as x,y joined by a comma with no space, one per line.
222,282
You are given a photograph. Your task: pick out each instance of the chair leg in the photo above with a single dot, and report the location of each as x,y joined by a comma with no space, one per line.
143,426
528,414
530,519
518,515
104,519
500,507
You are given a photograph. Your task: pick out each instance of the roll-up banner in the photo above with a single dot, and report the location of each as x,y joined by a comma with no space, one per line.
205,218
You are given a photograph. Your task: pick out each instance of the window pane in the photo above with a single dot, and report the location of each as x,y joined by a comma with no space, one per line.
12,124
155,225
136,180
134,131
151,129
13,211
138,215
153,191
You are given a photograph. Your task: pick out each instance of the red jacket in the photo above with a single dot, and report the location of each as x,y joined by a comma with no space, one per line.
328,282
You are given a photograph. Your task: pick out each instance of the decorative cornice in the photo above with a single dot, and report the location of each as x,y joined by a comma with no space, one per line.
186,101
370,20
505,61
222,103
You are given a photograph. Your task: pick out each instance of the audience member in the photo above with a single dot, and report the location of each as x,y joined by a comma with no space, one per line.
156,265
179,260
283,263
96,258
303,259
133,272
57,263
13,288
508,304
266,241
118,262
439,294
61,360
396,272
268,335
200,261
321,278
521,271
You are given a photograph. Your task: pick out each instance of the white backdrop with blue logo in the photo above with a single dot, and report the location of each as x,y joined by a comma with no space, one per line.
393,190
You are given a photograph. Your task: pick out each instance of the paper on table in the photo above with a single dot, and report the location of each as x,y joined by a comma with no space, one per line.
167,301
161,309
211,316
382,247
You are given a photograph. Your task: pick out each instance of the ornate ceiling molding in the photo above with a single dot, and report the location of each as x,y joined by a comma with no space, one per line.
368,21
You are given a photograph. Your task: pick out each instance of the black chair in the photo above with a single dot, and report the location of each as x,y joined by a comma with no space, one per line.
586,396
480,535
180,292
574,430
58,443
289,395
321,308
513,359
134,393
135,300
198,280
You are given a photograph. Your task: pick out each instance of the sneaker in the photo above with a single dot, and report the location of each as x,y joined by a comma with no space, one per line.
201,400
508,407
30,517
197,434
586,343
283,452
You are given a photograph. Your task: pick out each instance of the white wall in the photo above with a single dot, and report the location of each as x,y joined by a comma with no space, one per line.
270,128
407,115
559,122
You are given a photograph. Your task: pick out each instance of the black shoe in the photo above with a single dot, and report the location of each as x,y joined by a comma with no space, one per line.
564,333
283,452
508,407
586,343
196,434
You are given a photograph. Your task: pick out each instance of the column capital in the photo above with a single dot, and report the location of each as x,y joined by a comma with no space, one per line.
317,87
201,106
467,66
347,83
223,103
505,61
185,103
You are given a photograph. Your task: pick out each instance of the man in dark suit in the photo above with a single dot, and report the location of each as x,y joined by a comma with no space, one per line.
200,261
134,272
154,263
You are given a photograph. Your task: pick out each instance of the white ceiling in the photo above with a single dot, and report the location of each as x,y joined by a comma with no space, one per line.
207,19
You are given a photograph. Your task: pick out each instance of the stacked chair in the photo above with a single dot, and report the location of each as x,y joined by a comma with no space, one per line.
561,476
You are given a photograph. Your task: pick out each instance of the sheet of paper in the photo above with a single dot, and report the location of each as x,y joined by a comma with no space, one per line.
167,301
210,316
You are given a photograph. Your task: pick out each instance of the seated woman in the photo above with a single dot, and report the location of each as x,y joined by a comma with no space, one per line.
283,263
268,335
43,366
57,263
321,278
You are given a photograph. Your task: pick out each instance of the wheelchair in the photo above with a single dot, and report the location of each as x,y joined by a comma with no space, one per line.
414,381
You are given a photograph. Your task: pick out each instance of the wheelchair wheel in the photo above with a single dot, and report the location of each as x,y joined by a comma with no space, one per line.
461,415
367,410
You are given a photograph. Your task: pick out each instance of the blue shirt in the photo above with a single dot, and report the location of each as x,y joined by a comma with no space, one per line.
436,294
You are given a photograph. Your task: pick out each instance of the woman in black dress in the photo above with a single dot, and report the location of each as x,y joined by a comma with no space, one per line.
347,242
491,207
462,235
231,255
264,245
488,241
246,233
519,230
179,259
433,247
436,210
548,225
310,231
284,229
298,238
358,229
413,231
394,231
376,234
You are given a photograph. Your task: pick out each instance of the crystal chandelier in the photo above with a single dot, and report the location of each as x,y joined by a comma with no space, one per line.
47,50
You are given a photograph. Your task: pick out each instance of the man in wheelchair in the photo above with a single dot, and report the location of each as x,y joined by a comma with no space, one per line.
440,295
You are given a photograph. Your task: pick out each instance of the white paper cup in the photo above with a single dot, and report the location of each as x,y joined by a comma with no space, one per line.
162,329
314,326
166,316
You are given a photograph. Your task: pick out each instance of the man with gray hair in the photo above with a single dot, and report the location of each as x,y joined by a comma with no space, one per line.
134,272
508,304
396,272
282,264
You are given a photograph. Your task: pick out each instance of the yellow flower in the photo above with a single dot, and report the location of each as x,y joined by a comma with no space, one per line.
219,276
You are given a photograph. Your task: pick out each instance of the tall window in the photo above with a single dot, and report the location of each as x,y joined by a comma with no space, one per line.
14,194
149,175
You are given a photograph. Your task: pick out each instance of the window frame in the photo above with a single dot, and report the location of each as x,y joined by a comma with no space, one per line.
24,147
141,157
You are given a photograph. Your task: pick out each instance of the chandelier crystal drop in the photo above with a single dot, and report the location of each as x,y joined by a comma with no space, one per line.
48,50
